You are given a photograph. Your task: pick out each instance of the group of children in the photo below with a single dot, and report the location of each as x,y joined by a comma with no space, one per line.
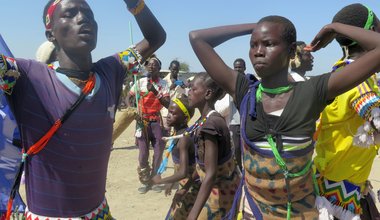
65,114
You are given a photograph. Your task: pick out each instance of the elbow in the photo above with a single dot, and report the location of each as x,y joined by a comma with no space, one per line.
161,38
193,36
157,40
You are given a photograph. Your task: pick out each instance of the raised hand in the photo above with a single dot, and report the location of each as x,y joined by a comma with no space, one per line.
322,39
150,87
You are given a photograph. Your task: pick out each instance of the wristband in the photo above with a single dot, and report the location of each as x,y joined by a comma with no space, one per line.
140,5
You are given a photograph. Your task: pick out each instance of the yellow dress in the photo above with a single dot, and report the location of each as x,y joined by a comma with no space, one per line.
338,159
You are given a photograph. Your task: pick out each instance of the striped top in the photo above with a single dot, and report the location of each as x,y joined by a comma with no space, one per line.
68,177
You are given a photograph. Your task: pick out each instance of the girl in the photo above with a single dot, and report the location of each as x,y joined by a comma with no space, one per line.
179,114
278,117
215,164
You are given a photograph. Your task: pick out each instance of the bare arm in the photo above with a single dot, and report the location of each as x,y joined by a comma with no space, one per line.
211,165
203,43
357,71
182,173
154,34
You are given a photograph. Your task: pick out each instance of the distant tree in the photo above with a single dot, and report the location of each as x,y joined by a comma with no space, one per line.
183,66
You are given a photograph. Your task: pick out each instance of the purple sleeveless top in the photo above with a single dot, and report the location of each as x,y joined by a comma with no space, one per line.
68,177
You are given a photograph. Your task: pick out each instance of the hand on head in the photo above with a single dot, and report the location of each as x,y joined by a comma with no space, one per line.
322,39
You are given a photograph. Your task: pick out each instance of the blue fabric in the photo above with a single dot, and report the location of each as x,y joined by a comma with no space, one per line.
10,155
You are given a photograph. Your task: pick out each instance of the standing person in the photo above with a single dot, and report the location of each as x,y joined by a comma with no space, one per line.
234,124
343,163
301,63
72,107
154,95
179,114
176,88
215,166
279,116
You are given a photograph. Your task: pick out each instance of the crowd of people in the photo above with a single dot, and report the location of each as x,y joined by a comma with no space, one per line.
271,145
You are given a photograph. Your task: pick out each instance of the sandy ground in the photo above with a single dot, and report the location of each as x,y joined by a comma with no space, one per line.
122,183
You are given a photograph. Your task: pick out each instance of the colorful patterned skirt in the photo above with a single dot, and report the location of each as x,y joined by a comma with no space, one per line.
181,211
222,194
340,199
102,212
267,187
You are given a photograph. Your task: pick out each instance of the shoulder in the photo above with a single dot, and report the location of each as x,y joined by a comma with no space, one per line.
112,62
214,122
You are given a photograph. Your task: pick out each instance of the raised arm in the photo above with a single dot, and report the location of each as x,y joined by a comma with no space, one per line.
357,71
203,43
154,34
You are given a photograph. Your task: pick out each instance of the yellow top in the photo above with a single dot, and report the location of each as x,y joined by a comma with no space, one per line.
337,158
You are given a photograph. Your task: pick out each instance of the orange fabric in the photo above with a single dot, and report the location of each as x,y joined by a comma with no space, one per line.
9,209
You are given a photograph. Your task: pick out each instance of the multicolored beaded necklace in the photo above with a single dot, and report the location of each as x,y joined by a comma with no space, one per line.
199,123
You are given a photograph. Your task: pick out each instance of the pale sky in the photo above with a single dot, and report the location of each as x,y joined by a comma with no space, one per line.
23,29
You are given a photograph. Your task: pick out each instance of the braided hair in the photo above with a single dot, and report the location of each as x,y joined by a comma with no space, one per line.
217,91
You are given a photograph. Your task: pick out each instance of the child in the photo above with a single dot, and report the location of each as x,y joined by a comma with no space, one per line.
215,164
179,114
72,107
343,166
278,117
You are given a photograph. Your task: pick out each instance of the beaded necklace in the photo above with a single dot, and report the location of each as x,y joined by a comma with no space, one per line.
191,130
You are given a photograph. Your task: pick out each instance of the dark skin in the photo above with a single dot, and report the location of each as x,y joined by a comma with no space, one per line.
202,98
270,55
174,70
74,33
177,119
153,68
239,67
356,51
306,59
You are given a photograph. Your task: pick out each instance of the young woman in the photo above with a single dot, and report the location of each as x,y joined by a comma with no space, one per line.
343,163
215,164
179,114
278,117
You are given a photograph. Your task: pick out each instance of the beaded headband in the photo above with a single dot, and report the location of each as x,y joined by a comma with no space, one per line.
50,12
183,108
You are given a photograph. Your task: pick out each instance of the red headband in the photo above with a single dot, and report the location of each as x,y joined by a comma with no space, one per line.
49,14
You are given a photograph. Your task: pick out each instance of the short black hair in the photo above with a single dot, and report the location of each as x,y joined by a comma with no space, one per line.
289,33
46,11
176,62
355,15
218,92
239,60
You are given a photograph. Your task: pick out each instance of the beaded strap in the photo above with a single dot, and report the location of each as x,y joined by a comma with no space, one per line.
8,74
365,104
132,60
140,5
